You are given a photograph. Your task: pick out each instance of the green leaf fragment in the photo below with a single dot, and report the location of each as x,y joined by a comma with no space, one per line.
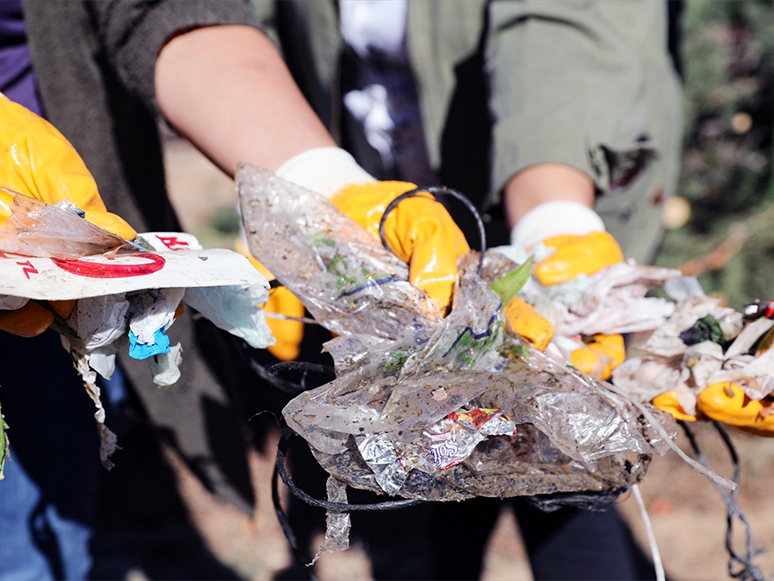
397,360
515,353
4,454
705,329
322,239
60,324
509,285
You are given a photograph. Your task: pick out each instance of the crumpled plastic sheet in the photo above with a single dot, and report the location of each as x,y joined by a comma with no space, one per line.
337,524
166,367
344,277
108,440
151,313
234,309
36,228
398,418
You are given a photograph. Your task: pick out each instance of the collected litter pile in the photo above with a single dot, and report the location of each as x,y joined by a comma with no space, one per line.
709,362
104,294
433,408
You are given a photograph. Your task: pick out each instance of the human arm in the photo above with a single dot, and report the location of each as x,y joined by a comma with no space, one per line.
587,85
578,91
227,89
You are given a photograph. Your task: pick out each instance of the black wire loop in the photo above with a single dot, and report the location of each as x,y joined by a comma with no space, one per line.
299,553
282,447
436,191
739,566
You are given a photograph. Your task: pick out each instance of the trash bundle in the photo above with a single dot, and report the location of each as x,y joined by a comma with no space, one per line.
434,408
107,294
709,361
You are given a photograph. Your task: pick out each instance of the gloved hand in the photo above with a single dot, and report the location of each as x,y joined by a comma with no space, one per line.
419,231
36,160
288,333
582,247
527,322
727,403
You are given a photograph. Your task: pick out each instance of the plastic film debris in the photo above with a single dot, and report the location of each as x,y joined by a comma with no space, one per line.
36,228
428,407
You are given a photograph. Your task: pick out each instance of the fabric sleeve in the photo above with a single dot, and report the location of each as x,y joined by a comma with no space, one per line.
586,84
135,31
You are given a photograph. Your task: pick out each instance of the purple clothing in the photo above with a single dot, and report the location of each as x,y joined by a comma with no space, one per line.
17,81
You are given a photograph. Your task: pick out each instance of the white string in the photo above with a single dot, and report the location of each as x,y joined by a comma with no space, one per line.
720,480
660,576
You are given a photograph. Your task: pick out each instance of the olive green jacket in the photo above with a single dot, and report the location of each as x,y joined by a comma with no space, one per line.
507,84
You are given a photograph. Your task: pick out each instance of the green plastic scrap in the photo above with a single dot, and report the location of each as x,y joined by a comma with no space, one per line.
509,285
705,329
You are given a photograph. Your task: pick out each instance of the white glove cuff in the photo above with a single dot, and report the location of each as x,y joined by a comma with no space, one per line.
553,219
324,170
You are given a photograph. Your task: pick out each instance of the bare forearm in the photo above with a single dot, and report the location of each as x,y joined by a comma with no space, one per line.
227,89
546,182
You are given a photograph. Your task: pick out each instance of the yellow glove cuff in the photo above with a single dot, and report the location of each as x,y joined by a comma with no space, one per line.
599,357
668,402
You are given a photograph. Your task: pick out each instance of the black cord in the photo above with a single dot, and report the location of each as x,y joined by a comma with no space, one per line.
437,191
305,367
269,374
280,471
746,569
299,554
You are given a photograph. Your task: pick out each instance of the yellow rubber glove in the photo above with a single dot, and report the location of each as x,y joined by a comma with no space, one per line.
288,333
36,160
600,355
527,322
419,231
586,254
32,319
576,255
727,403
668,402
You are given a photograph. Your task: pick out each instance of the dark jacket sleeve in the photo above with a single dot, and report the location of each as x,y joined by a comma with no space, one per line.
571,82
134,32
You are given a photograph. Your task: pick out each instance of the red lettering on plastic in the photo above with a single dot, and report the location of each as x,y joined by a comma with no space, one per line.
172,242
28,268
103,270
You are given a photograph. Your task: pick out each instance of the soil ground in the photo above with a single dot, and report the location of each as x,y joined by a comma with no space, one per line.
687,513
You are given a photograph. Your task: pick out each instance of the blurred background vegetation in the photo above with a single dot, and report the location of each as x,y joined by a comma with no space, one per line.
727,52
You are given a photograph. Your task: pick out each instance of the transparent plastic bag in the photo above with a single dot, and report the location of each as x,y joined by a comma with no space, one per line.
36,228
348,281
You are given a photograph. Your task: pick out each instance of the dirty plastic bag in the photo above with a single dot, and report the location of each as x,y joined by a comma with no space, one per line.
36,228
152,313
429,407
234,309
347,281
405,425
